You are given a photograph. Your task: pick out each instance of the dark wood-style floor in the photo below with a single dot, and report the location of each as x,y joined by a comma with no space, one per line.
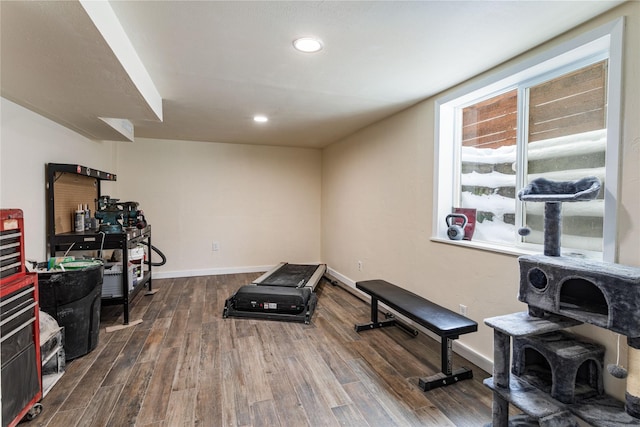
185,365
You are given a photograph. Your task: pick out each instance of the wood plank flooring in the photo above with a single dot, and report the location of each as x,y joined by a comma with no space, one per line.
185,365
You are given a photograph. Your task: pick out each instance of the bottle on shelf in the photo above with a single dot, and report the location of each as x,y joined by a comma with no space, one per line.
87,217
79,220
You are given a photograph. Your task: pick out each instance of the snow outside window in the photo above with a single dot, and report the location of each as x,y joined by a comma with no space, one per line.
558,119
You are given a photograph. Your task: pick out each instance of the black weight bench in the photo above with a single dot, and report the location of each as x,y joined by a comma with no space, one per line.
442,321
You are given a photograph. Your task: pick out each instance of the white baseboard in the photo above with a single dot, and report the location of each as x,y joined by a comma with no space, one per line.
461,349
216,271
210,272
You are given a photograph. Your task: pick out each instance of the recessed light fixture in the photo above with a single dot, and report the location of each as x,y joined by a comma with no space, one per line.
260,118
307,44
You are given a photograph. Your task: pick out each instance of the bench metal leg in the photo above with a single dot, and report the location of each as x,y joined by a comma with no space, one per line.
389,321
447,376
374,310
446,355
374,324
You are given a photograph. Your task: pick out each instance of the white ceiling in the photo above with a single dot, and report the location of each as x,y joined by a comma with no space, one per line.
217,63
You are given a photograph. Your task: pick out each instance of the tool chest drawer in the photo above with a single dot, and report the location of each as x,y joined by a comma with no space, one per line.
19,347
11,245
17,315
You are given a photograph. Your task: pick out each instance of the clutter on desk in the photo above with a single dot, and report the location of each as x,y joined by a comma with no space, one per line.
115,216
66,263
110,224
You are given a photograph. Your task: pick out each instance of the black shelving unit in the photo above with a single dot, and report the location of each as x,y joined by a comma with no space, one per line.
61,237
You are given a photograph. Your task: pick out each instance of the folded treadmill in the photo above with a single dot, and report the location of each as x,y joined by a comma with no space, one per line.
284,293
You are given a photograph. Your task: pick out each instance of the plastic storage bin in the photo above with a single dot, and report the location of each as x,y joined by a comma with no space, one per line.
112,286
136,257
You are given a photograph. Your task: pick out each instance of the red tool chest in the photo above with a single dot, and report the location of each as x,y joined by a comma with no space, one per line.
19,325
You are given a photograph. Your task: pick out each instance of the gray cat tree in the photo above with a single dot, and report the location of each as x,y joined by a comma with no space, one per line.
556,376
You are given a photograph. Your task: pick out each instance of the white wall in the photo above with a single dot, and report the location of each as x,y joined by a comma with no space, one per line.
28,142
261,204
377,207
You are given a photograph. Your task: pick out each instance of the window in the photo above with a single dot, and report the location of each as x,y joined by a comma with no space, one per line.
556,117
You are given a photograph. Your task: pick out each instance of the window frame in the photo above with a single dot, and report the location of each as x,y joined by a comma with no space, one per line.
604,42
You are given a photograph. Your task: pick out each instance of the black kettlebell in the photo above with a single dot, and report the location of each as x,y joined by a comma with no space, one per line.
455,231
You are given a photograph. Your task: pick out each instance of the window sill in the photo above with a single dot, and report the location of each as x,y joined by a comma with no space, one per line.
505,250
510,250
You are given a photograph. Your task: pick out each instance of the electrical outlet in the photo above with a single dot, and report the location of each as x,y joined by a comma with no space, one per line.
215,246
359,265
463,309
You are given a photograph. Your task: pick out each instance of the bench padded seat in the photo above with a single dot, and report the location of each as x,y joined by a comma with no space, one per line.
440,320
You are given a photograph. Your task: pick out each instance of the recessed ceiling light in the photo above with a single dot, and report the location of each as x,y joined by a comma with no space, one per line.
260,119
307,44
